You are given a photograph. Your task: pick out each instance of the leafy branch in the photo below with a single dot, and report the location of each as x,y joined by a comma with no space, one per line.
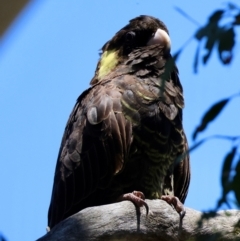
219,32
230,177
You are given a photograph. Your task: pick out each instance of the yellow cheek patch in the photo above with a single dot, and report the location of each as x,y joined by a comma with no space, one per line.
107,63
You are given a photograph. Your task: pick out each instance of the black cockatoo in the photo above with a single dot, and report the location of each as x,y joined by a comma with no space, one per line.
125,135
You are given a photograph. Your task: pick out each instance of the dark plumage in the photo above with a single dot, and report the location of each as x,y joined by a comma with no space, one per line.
125,132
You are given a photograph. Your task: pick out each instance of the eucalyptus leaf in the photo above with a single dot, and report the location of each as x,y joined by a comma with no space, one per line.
210,115
226,170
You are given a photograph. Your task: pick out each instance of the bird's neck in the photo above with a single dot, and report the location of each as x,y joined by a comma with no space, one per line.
108,62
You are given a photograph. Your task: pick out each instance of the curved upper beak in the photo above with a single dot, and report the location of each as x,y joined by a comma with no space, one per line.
160,37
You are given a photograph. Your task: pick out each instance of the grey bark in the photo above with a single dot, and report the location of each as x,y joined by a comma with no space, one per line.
121,221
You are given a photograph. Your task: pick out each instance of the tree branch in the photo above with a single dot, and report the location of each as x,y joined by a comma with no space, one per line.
121,221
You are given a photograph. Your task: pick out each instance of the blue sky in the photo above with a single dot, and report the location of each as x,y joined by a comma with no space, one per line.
48,57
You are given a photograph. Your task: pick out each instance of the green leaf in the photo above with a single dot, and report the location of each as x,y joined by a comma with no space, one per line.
236,182
201,33
226,170
209,28
214,36
226,44
216,16
211,31
226,177
237,19
210,115
226,40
